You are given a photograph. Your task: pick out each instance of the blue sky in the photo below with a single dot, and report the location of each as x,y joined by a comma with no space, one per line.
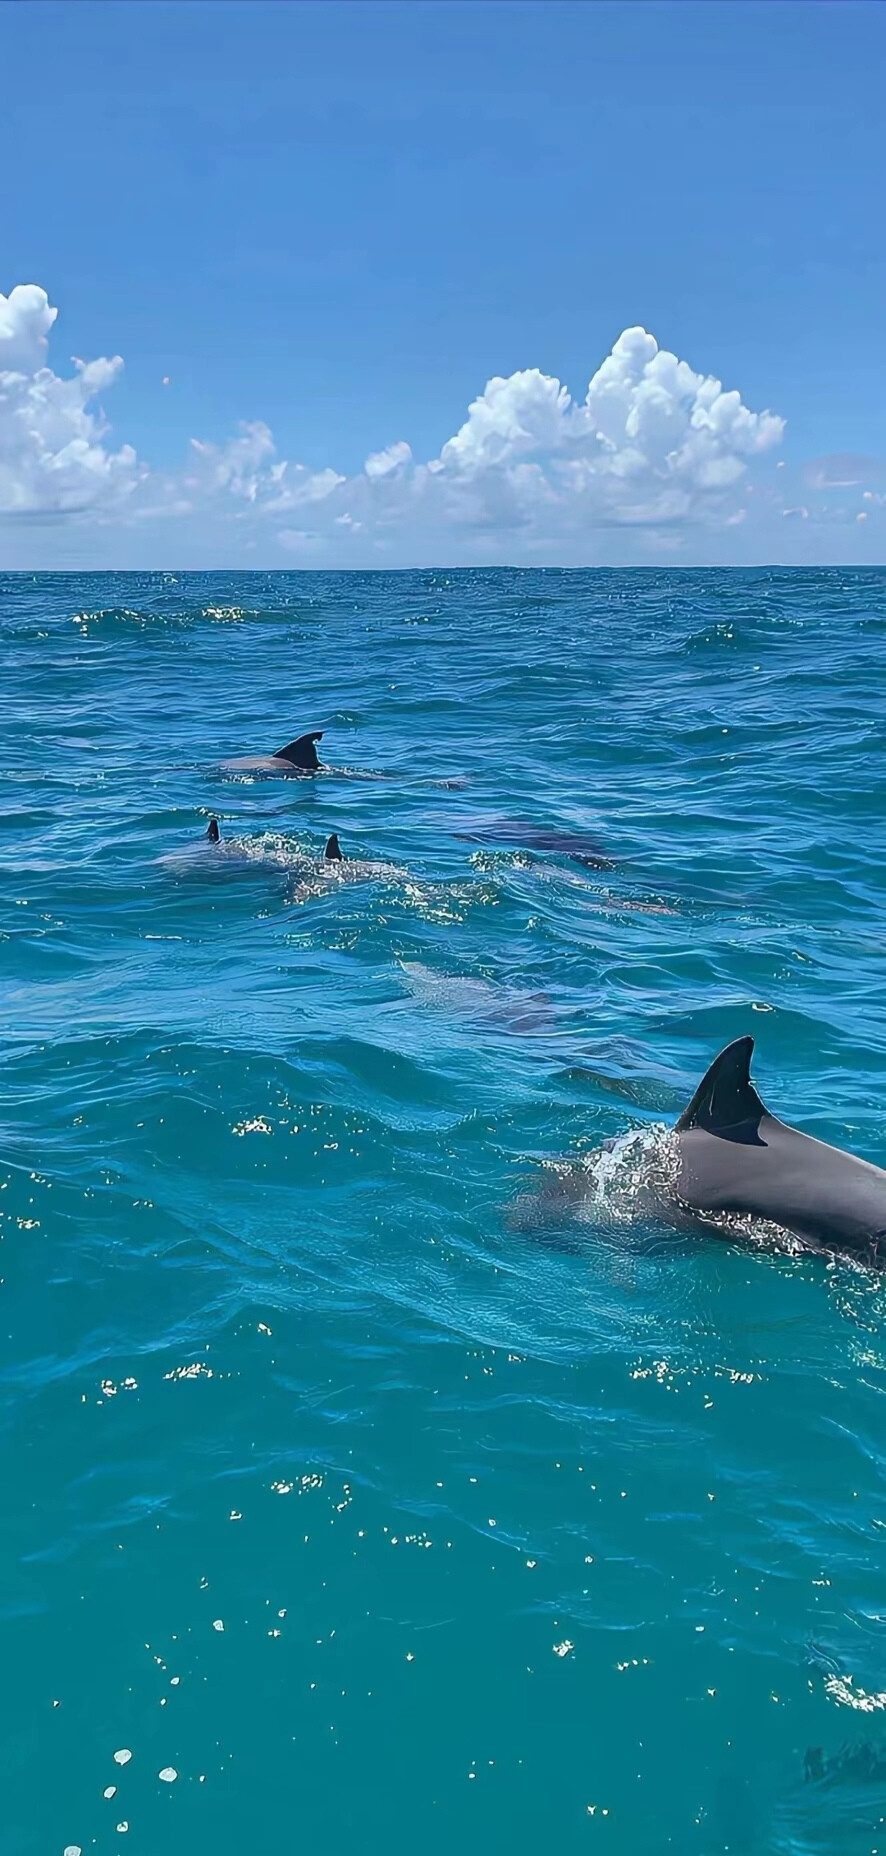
337,222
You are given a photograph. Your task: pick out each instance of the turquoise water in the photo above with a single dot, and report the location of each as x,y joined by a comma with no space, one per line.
376,1517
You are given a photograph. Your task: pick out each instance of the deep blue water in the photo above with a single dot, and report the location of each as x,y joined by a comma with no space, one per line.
570,1537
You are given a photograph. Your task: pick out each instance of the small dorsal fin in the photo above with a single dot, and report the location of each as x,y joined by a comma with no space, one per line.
302,752
333,851
212,831
725,1097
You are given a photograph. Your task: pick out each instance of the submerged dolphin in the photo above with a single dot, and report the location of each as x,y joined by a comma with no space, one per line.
298,757
465,996
736,1158
578,845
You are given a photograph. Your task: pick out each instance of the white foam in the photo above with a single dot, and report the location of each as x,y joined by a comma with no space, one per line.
636,1171
748,1229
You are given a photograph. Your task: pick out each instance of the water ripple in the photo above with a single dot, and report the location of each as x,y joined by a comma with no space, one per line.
333,1485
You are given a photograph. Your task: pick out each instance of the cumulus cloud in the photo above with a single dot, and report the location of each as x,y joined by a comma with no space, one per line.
383,463
246,469
53,459
652,445
653,441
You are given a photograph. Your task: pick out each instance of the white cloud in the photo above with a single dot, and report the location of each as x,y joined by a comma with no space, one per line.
25,321
653,459
382,463
53,460
844,470
299,485
526,413
246,469
652,442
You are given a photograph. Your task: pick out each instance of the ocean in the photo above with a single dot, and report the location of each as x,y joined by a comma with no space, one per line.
343,1507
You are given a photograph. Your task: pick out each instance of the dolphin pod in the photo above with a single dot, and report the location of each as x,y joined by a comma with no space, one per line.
738,1159
735,1159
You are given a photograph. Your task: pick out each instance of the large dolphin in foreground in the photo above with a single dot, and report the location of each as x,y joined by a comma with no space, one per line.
737,1158
726,1162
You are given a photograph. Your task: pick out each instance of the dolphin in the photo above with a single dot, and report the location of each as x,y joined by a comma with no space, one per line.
580,846
727,1159
333,853
738,1159
298,757
210,852
465,996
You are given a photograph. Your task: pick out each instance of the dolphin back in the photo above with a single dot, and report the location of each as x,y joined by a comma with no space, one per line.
737,1158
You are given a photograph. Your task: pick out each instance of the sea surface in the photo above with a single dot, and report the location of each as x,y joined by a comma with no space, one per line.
345,1504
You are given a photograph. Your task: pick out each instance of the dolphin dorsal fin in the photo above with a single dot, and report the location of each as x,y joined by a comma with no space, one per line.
725,1097
301,752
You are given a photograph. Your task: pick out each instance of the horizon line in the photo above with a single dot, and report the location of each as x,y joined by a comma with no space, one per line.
488,567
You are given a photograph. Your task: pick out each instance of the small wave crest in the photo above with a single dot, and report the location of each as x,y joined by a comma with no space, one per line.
107,620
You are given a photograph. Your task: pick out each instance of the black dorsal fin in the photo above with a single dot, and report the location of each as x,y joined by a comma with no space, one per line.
212,831
725,1097
302,752
333,851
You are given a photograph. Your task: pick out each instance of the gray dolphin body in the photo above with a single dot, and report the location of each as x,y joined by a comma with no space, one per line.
736,1158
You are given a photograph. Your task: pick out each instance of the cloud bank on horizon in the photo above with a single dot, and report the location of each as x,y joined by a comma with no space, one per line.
655,449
